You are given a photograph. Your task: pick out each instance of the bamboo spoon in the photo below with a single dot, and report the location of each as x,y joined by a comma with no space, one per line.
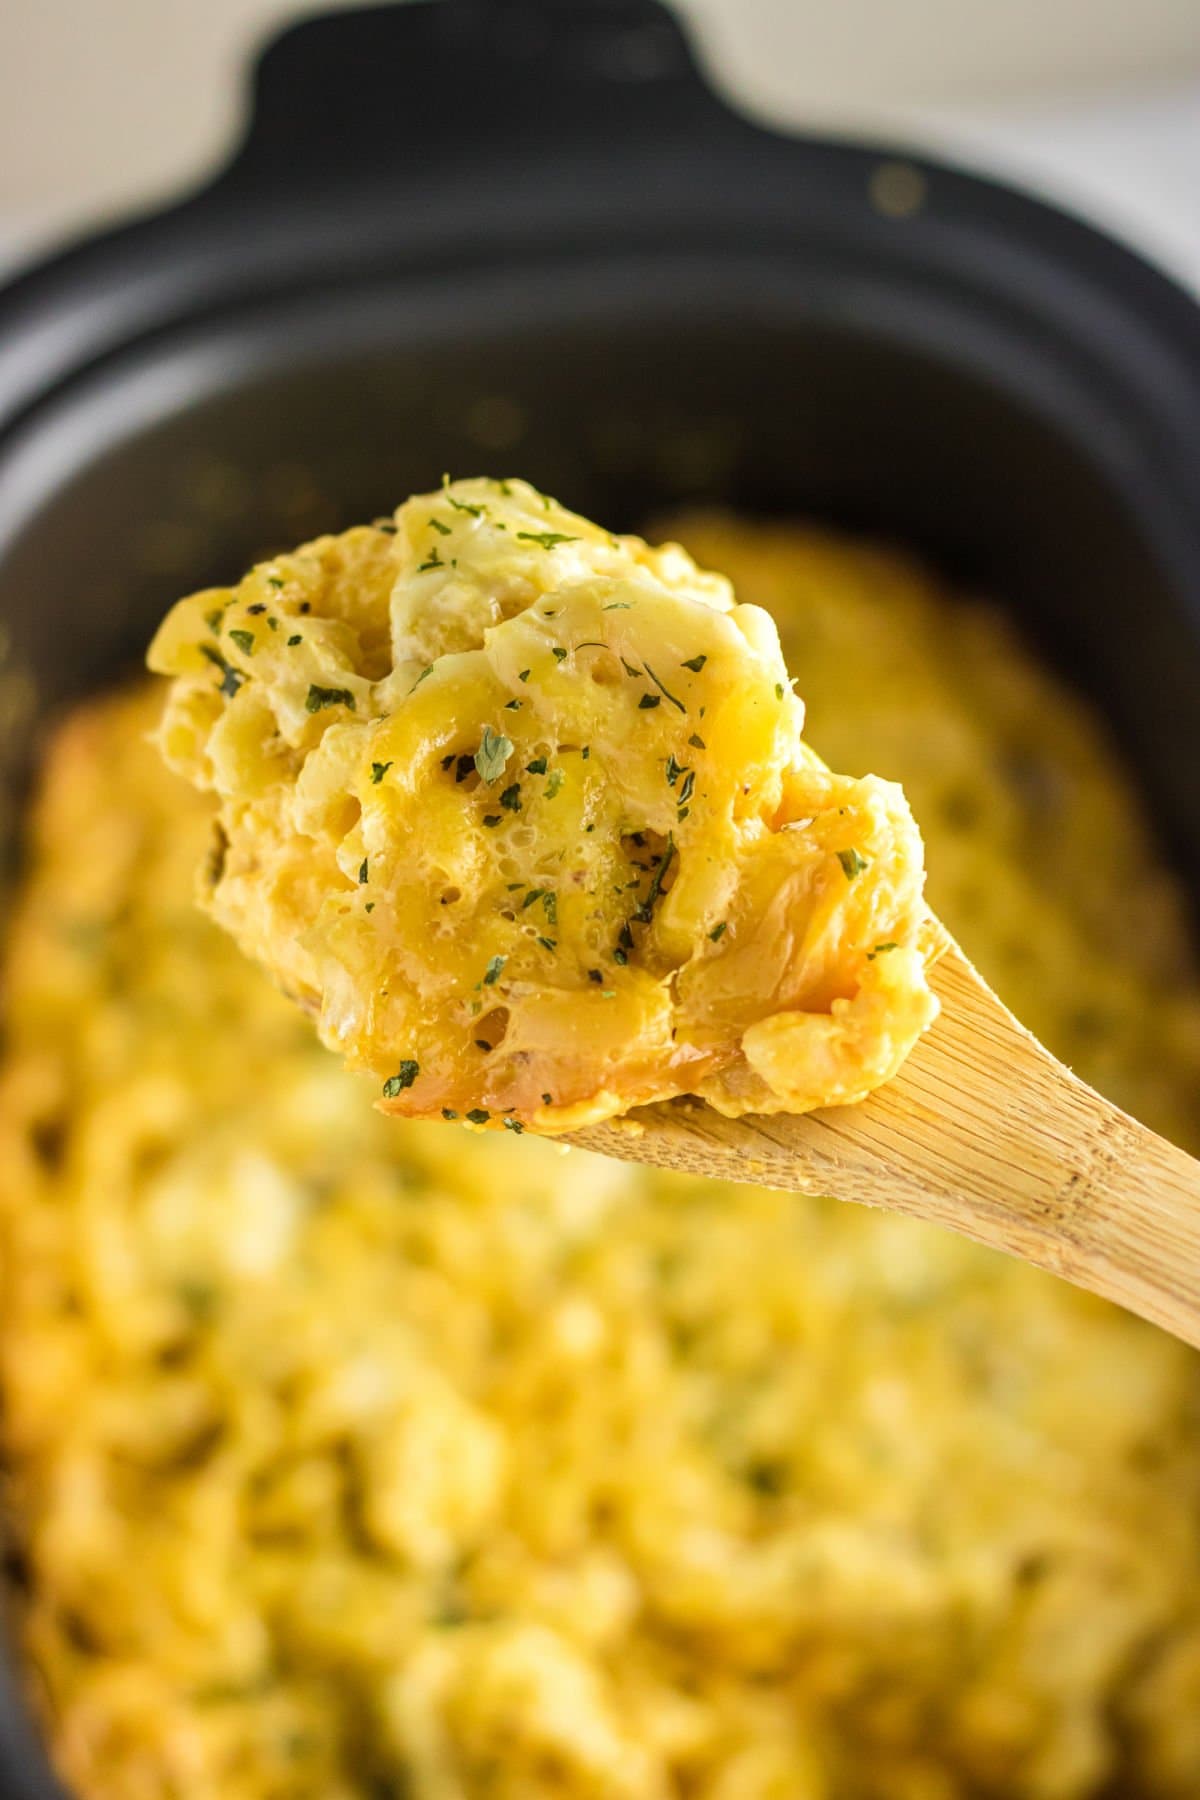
984,1131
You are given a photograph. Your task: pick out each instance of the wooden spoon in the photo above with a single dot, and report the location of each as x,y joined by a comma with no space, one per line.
984,1131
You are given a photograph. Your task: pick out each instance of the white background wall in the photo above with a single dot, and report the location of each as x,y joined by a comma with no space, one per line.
110,103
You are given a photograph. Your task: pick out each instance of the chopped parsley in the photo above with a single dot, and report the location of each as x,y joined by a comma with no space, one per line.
510,799
319,697
427,670
779,690
294,640
550,907
387,526
548,943
512,706
514,1125
695,663
553,782
378,771
404,1077
852,863
596,976
492,755
448,1112
363,874
688,783
718,931
490,819
432,561
464,506
617,606
524,675
880,949
536,767
479,1115
666,692
231,678
549,540
619,956
647,701
258,607
697,742
275,581
440,525
492,973
645,909
559,653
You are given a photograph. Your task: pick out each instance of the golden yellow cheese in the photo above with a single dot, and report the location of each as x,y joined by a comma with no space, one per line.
522,812
348,1457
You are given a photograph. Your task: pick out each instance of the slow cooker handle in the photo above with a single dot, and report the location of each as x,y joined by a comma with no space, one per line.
359,96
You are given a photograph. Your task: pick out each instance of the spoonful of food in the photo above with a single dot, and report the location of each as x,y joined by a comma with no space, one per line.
522,813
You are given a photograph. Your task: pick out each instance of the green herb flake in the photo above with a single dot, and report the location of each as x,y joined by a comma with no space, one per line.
432,561
666,692
631,669
479,1115
514,1125
648,701
510,799
617,605
387,526
852,863
549,540
294,640
596,976
695,663
536,767
619,956
231,679
258,608
491,819
369,907
524,675
463,506
512,706
493,754
697,742
448,1112
532,897
644,911
554,782
492,973
550,907
319,697
213,619
440,525
779,690
275,581
559,654
688,783
378,771
404,1077
425,672
718,932
548,943
585,753
880,950
363,875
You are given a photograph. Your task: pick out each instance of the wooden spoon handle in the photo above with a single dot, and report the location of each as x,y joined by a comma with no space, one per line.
985,1132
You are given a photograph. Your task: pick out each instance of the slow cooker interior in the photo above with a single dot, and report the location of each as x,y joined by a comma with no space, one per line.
178,461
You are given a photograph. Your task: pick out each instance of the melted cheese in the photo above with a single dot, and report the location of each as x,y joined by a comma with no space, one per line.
522,813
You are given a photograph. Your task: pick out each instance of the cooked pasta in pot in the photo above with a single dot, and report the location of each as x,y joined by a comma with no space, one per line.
351,1457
